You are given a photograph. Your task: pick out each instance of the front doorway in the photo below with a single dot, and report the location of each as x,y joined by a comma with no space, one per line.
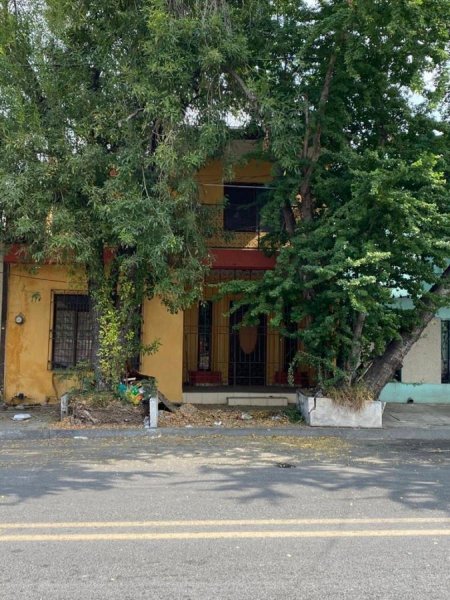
247,352
445,352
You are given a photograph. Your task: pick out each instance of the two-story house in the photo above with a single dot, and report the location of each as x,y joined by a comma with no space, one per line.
203,356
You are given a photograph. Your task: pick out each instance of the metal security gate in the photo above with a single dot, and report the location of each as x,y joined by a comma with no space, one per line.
445,345
247,354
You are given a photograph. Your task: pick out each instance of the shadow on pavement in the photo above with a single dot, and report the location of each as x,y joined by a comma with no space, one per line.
411,473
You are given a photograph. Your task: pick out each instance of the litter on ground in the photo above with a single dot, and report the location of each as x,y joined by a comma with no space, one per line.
21,417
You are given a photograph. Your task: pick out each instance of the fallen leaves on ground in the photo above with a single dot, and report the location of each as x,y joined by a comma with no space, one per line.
202,416
117,414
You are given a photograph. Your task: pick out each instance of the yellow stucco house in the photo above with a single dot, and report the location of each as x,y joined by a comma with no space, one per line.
202,357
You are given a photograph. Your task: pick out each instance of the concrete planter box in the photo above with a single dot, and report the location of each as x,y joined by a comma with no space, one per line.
323,412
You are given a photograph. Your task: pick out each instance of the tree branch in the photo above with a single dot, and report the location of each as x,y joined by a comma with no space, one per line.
307,129
248,93
313,153
133,115
355,353
288,214
382,370
289,218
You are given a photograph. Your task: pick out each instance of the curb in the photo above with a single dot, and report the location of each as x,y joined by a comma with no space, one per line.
369,435
49,434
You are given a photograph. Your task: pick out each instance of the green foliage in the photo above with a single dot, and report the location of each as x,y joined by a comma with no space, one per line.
81,376
293,414
349,100
119,325
108,108
93,399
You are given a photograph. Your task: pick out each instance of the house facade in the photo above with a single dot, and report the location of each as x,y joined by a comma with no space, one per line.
202,357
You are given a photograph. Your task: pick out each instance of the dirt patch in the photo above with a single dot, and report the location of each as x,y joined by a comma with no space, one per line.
201,416
87,414
114,413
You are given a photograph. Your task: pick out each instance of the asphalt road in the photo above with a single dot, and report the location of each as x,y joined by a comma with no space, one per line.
215,517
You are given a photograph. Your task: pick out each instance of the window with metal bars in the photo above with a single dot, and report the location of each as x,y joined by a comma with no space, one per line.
445,350
72,331
204,336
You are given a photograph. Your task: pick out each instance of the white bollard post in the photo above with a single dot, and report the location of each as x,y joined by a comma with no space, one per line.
153,411
64,405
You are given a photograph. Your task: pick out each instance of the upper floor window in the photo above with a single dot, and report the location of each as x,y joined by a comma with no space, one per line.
72,331
243,206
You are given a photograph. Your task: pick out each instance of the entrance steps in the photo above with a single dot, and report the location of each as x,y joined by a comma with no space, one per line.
208,395
262,400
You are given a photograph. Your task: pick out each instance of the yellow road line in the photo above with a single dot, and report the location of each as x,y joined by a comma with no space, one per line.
225,523
224,535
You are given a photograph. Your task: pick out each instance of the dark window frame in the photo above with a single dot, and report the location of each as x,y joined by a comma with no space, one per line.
71,338
249,219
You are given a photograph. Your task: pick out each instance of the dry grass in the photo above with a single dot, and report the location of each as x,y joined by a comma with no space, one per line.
94,399
239,417
101,410
353,397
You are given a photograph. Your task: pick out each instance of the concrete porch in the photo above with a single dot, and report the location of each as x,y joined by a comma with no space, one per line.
267,396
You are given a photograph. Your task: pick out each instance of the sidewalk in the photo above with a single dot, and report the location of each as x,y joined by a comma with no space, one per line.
416,415
400,421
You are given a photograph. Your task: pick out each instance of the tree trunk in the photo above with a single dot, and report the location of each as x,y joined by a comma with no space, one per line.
100,384
355,354
313,152
383,368
96,273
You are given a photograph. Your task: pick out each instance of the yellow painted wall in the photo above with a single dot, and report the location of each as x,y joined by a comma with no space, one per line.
28,347
27,351
166,364
30,289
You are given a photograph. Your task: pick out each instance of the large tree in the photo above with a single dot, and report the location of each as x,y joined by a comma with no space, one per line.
107,110
348,98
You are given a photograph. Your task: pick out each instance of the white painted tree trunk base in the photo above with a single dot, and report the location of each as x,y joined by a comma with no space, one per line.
323,412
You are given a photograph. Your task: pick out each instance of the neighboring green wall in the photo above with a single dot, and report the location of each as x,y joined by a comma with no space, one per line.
426,393
406,303
444,313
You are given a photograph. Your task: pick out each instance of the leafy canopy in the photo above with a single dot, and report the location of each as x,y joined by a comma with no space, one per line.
350,100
